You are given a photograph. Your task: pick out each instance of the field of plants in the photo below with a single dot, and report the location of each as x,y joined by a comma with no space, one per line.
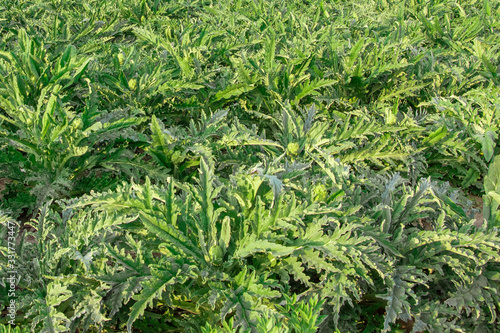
269,166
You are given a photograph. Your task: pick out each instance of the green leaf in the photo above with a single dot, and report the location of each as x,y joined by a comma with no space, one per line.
49,113
251,245
172,235
397,305
437,135
495,196
68,54
234,90
153,288
492,179
56,294
225,233
488,143
356,49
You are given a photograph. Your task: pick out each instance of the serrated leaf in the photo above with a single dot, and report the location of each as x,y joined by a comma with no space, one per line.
234,90
152,289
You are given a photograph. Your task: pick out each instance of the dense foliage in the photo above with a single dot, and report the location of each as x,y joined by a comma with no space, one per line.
250,165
